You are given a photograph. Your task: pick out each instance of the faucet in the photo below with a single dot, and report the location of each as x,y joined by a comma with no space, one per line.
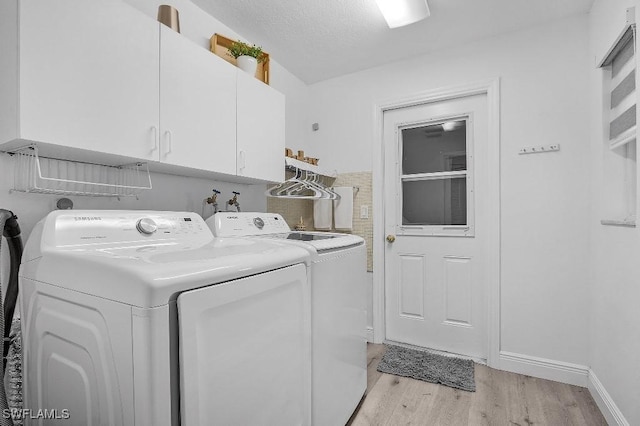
234,201
213,200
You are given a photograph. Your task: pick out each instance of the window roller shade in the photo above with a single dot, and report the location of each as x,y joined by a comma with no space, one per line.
622,123
623,54
622,88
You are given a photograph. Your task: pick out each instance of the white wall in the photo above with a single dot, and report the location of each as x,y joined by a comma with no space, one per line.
370,304
615,284
544,73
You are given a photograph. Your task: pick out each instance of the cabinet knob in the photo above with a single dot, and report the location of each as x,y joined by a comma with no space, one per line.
391,238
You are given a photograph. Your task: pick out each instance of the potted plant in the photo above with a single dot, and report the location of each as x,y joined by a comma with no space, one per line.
247,56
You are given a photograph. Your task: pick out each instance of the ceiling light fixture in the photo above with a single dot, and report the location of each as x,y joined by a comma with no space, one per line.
449,125
399,13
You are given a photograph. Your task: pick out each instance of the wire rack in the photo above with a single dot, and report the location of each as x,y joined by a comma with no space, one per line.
35,174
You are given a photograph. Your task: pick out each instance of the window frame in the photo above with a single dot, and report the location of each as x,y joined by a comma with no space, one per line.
609,83
467,230
623,148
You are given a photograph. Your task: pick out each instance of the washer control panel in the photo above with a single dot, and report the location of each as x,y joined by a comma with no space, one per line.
234,224
75,227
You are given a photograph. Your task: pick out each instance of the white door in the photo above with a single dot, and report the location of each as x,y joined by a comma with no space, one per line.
197,106
436,209
245,351
261,131
89,76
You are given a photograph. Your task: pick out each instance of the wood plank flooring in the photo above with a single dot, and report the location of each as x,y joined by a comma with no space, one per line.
501,398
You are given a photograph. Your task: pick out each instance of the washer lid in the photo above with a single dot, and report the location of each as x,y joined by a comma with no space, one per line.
319,241
273,225
147,271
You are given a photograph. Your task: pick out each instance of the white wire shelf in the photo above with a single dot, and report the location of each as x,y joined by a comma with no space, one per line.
35,174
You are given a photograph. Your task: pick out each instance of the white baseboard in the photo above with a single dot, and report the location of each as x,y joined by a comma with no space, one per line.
370,334
605,403
558,371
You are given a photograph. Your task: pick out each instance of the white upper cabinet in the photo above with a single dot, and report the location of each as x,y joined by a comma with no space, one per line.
260,130
88,76
197,106
99,81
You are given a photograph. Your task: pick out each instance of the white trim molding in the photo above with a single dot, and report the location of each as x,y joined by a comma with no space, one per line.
565,372
491,89
609,409
558,371
369,334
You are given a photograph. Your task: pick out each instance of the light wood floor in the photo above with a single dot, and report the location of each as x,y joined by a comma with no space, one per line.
501,398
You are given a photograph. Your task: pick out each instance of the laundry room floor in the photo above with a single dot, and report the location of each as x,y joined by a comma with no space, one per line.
501,398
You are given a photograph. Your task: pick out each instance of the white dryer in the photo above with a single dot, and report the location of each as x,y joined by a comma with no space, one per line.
338,314
144,318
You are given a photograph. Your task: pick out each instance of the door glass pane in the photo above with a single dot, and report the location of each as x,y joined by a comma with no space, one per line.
435,148
435,202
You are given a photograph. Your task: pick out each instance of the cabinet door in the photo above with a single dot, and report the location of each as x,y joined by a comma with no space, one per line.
89,76
261,130
197,106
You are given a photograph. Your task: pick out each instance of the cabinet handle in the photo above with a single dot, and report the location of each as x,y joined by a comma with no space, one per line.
242,161
154,129
169,136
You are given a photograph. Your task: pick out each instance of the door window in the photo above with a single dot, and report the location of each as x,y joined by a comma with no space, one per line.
435,177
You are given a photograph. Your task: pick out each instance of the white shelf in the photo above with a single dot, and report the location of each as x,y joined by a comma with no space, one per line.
302,165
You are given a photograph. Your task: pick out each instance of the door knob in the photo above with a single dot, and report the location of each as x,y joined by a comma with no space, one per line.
391,238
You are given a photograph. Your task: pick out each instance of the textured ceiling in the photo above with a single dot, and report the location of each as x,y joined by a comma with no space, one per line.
321,39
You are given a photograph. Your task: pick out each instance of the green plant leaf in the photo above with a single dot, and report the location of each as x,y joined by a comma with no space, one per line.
239,48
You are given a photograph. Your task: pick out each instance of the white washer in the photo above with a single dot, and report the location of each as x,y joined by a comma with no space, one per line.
338,293
144,318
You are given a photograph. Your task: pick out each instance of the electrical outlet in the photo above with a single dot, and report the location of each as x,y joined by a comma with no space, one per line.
364,212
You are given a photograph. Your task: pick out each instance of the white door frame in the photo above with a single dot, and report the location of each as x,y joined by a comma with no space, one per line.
491,88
